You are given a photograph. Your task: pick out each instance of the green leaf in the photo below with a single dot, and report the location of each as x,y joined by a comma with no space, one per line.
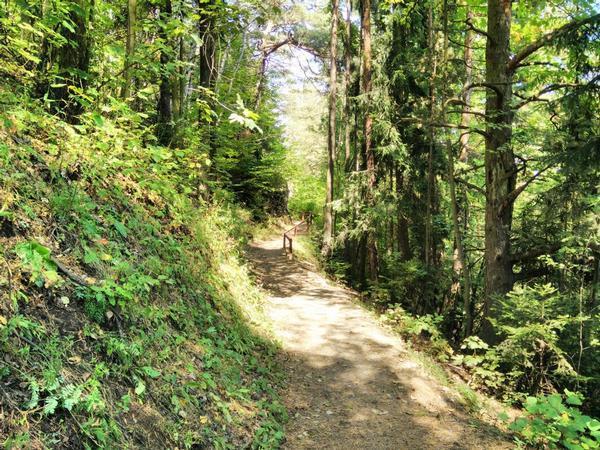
120,228
594,425
98,119
151,372
68,26
573,398
35,395
70,396
50,405
530,402
555,401
140,387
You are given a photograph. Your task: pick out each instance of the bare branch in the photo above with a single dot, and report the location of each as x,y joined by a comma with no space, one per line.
512,196
551,88
470,26
443,125
471,185
535,252
474,113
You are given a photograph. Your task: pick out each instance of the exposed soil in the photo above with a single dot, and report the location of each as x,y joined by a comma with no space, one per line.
352,384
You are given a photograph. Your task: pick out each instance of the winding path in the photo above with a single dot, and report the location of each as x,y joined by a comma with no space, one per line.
351,383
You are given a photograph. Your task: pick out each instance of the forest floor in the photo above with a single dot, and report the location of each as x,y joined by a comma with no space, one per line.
352,384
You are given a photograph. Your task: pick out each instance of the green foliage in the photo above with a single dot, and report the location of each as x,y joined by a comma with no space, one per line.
423,331
166,287
531,353
555,421
483,363
37,259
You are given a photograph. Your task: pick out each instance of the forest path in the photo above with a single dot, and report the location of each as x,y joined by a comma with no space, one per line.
351,383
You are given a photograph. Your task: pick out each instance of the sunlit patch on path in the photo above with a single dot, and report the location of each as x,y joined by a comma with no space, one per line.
351,383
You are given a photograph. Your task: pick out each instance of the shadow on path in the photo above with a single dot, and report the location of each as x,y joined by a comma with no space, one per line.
351,383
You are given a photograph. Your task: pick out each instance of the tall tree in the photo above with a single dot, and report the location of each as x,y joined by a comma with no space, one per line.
347,74
73,60
369,154
500,168
206,30
431,43
129,47
165,125
331,134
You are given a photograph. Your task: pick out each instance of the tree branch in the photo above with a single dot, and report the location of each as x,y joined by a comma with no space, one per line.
547,89
512,196
516,61
443,125
472,27
471,185
533,253
70,274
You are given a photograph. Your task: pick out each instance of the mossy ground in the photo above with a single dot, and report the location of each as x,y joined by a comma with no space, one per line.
127,317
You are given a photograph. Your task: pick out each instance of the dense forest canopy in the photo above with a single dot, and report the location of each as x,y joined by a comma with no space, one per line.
448,150
465,179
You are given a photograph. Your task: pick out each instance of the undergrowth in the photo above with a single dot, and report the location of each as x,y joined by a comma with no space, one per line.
127,319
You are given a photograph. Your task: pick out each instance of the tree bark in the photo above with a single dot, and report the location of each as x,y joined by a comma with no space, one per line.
347,73
165,99
402,228
331,141
129,47
500,168
371,241
465,118
206,26
73,60
429,245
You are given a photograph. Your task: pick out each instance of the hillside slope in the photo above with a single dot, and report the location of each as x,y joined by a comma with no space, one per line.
126,317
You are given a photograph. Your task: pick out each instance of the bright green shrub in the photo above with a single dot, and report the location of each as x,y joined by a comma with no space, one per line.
531,354
419,330
552,423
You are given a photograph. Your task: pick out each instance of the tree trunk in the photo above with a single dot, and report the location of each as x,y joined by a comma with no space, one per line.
165,98
73,60
429,246
372,258
331,141
129,48
465,117
206,25
348,69
402,229
207,50
500,169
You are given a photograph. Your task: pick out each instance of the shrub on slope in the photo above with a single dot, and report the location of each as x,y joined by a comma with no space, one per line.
126,317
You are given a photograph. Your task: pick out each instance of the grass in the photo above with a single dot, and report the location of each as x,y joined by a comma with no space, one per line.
149,332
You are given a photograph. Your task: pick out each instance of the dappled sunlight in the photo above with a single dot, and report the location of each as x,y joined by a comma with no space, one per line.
351,382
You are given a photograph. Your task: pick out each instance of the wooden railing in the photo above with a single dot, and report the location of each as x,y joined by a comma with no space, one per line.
287,236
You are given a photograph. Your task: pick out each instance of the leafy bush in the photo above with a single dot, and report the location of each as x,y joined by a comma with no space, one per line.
420,330
531,354
483,363
36,257
552,423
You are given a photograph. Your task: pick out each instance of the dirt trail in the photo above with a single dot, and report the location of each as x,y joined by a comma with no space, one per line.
351,382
